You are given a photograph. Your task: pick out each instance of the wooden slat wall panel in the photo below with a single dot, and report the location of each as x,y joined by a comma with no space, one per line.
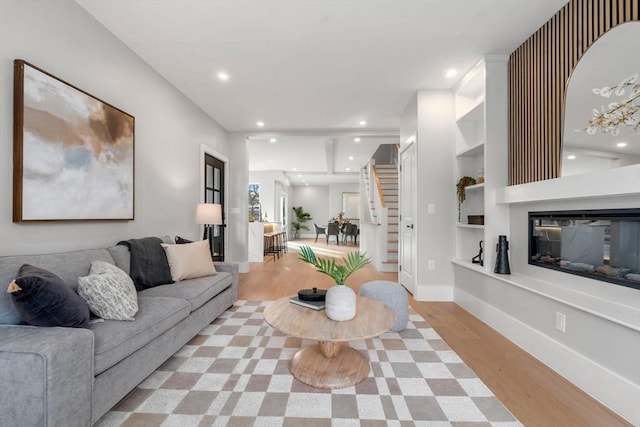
539,71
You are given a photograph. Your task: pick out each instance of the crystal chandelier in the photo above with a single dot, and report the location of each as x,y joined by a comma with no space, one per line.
625,112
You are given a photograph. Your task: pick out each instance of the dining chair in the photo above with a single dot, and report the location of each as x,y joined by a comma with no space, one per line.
350,231
333,229
319,231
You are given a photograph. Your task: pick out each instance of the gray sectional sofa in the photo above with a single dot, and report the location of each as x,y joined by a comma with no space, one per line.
72,376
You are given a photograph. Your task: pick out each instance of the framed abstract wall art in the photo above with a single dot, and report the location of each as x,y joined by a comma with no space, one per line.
73,154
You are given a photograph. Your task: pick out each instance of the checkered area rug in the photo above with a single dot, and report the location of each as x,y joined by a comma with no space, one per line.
236,373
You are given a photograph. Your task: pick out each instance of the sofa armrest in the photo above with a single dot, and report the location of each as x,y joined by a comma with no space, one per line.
233,268
46,376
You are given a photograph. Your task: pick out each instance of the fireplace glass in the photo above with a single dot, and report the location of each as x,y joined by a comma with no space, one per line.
600,244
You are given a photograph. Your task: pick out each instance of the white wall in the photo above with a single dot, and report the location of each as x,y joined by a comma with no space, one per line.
436,185
335,197
238,201
61,38
315,200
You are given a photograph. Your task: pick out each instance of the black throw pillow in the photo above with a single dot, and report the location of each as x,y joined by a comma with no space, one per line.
45,300
182,241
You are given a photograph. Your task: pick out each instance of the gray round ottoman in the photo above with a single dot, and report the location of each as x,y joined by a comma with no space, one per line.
393,295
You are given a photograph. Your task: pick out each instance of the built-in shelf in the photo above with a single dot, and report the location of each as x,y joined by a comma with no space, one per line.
583,186
476,226
474,187
468,264
624,315
476,150
475,111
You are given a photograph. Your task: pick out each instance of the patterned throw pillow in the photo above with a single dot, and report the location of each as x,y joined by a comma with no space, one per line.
109,292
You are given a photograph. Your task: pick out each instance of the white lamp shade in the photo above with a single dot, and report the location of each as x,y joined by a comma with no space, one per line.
209,213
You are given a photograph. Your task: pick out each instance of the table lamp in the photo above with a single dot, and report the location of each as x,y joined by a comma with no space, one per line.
209,214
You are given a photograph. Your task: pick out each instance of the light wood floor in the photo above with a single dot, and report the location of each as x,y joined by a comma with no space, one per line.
534,393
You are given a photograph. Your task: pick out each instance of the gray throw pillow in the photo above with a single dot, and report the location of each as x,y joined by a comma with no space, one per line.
109,292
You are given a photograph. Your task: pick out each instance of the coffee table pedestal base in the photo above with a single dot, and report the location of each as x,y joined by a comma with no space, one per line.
330,365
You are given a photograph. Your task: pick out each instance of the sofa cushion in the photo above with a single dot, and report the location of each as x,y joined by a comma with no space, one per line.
196,291
121,256
115,340
67,265
43,299
109,292
189,260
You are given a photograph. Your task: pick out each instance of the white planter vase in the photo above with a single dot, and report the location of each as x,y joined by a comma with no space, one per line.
340,303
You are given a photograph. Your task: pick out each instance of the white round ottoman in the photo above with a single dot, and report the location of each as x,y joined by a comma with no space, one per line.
391,294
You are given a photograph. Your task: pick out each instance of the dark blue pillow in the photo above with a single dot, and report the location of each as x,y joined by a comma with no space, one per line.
45,300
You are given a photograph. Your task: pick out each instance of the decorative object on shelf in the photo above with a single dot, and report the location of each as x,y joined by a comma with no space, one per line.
299,223
463,182
340,300
479,259
73,153
209,215
475,219
313,294
502,257
623,113
480,176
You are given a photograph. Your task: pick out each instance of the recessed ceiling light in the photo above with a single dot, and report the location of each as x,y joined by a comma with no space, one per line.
272,140
363,123
348,169
451,73
223,76
571,157
356,139
260,124
350,157
621,144
304,180
307,183
299,176
294,169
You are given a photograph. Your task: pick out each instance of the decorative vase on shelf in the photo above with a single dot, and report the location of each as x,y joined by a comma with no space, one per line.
340,303
502,256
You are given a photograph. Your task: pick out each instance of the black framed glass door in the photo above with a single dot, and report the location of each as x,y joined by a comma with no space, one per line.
214,193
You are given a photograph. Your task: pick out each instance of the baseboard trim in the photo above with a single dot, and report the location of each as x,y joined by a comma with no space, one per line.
243,267
612,390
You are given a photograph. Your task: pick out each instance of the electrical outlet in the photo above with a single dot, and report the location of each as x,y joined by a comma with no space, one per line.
431,265
431,208
561,321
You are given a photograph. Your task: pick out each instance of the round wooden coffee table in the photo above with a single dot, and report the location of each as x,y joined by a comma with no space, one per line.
331,363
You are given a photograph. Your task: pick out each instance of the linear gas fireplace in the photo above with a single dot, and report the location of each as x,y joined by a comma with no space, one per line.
600,244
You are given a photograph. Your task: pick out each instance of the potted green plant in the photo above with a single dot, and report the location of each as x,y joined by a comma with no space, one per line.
463,182
340,302
299,223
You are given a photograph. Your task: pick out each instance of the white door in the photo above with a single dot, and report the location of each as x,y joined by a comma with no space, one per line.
408,195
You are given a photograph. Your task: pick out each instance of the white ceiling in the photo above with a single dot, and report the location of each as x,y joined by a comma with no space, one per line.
315,66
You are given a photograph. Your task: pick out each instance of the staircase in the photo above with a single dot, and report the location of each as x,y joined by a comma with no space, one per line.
387,184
